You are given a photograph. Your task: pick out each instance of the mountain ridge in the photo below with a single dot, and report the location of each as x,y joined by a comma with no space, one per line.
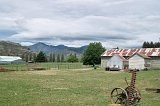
8,48
59,49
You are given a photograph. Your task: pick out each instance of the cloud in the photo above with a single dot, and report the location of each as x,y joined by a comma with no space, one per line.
86,28
26,43
124,23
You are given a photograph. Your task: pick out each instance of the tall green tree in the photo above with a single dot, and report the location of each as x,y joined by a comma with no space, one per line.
92,55
26,57
152,45
51,57
30,57
72,58
22,56
54,58
62,58
144,45
58,58
41,57
34,57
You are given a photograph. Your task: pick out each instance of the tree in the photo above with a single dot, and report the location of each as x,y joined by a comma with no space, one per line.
30,57
34,57
50,57
54,58
92,55
22,56
151,44
58,58
144,45
158,44
26,57
41,57
62,58
72,58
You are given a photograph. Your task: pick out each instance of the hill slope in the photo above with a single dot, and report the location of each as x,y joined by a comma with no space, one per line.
8,48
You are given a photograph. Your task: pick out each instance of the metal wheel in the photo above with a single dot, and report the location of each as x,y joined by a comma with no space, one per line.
136,95
119,96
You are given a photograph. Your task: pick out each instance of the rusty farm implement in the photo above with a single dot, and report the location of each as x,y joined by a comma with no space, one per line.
130,96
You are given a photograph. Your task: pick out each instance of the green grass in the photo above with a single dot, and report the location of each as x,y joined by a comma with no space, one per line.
16,67
49,65
63,66
71,87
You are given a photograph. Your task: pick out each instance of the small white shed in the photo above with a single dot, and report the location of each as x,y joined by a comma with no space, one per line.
139,61
117,61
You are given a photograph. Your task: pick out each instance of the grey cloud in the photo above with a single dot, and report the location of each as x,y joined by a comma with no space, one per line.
65,21
97,38
4,33
5,8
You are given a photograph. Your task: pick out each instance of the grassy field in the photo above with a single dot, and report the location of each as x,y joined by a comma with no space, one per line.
79,87
48,65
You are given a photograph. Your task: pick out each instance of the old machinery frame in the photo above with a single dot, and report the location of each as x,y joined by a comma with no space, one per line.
130,96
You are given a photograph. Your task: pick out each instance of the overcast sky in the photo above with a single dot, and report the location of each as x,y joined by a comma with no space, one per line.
122,23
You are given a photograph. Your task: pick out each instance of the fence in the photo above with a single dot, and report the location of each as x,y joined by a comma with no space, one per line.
48,66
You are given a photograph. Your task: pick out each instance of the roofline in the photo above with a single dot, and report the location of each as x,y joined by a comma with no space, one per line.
147,57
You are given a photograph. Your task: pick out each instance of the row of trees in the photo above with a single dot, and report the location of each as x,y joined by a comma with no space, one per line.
42,57
151,44
56,58
91,56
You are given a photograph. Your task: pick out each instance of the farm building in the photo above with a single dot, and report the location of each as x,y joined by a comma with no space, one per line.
139,61
153,53
10,59
117,61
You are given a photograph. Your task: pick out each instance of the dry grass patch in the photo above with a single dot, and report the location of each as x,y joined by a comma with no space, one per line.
45,72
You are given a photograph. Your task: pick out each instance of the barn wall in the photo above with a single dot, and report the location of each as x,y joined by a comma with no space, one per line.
104,61
136,62
155,62
147,63
115,61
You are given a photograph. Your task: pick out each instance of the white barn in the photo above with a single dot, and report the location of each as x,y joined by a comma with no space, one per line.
153,53
10,59
139,61
117,61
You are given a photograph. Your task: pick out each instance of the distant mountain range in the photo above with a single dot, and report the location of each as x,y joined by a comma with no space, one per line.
60,49
8,48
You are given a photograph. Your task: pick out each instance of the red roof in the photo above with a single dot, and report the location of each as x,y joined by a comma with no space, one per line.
143,55
130,52
121,57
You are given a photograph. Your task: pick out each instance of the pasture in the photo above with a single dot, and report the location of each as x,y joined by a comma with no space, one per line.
72,87
48,66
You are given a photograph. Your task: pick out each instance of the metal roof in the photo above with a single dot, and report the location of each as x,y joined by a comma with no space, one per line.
141,55
130,52
121,57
